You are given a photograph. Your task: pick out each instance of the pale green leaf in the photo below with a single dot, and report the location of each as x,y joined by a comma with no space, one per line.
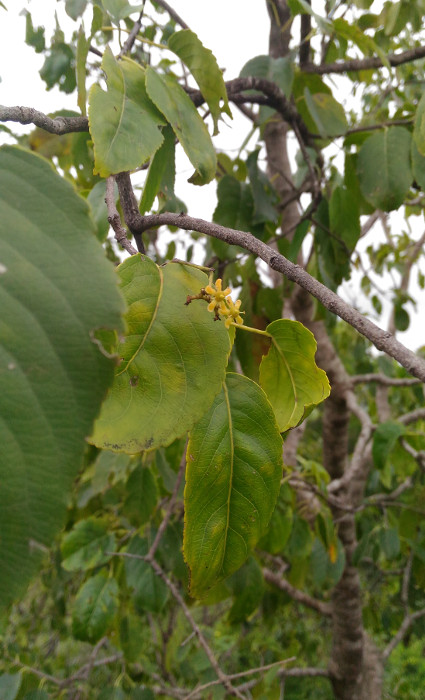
289,375
188,126
384,169
233,473
56,288
120,9
173,358
94,608
124,124
9,685
204,68
75,8
86,545
96,199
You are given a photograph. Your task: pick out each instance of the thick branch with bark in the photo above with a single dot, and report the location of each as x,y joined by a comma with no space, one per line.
379,338
29,115
358,64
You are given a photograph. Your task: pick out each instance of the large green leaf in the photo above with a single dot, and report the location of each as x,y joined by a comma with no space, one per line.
173,359
56,288
289,375
188,126
384,168
124,123
234,468
204,68
95,607
160,169
277,70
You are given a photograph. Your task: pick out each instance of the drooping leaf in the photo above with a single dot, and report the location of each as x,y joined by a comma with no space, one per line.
234,467
204,68
173,358
86,546
56,288
124,123
58,68
289,375
384,168
188,126
162,163
96,199
384,440
33,37
418,166
94,608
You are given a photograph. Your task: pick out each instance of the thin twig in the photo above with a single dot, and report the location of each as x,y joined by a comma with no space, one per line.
114,217
366,63
173,14
128,44
150,555
404,627
295,594
383,379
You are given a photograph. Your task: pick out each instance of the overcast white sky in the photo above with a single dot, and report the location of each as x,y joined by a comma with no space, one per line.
235,30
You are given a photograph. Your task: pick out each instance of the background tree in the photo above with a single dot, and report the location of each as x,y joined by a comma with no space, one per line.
288,581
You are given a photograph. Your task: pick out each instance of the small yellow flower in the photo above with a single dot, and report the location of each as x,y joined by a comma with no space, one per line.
217,293
232,311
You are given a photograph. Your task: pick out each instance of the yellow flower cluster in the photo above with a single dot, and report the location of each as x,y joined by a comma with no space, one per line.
222,304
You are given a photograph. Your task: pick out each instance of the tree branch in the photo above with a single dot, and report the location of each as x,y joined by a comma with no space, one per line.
381,339
383,379
297,595
114,217
29,115
404,627
173,14
393,59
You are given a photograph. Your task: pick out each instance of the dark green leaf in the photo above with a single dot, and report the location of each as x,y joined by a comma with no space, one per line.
95,607
55,291
384,168
150,592
158,173
234,467
384,440
247,587
142,496
34,37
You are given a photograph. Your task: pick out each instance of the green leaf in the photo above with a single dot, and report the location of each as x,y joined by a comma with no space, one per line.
188,126
142,496
96,199
161,165
235,205
390,542
86,545
36,695
75,8
56,289
124,123
33,37
83,46
173,359
204,68
418,166
120,9
419,126
278,70
351,32
247,586
9,685
150,592
234,467
289,375
384,440
328,114
384,168
301,539
94,608
265,197
58,68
